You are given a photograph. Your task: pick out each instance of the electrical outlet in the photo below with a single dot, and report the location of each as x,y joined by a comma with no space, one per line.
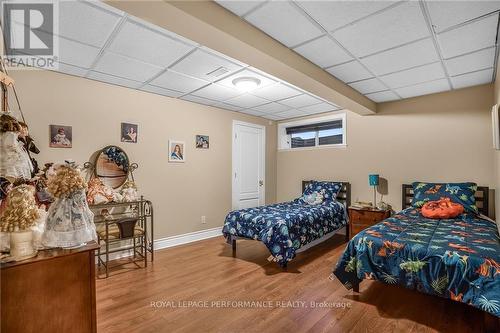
203,219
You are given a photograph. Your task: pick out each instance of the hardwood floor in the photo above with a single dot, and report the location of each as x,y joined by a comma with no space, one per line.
206,272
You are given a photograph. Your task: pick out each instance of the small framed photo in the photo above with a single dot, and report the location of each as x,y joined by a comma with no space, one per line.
202,142
129,132
176,151
61,136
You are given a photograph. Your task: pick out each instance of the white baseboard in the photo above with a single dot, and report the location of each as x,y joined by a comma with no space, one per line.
164,243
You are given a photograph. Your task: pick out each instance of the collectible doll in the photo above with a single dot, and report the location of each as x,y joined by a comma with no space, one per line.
70,222
98,193
129,192
15,163
29,146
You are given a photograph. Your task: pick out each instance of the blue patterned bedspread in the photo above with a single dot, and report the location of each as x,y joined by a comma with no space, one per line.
457,258
286,227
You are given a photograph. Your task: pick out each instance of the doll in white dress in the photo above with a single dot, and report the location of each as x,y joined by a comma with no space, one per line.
15,163
70,222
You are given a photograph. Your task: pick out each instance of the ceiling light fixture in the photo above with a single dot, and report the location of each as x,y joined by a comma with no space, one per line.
246,83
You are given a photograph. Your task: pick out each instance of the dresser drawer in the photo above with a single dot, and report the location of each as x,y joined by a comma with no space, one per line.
356,228
360,219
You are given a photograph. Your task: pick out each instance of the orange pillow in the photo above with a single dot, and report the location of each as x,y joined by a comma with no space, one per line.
442,209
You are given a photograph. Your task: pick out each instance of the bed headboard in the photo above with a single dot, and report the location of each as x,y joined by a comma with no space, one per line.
482,198
344,195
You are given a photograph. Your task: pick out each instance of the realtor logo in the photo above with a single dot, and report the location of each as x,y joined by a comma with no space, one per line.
30,33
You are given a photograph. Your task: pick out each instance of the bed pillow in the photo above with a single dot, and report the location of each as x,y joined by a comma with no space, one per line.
442,209
315,198
332,189
461,193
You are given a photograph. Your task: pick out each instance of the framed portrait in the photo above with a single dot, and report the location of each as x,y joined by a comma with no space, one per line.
176,151
129,133
60,136
202,142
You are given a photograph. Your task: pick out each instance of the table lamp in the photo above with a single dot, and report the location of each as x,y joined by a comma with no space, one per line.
373,180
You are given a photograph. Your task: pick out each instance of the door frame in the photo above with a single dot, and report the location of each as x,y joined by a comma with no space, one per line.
234,198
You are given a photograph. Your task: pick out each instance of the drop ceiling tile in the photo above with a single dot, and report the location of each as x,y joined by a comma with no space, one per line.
228,82
319,108
86,23
470,37
276,92
415,75
349,72
335,14
113,80
139,42
446,14
272,117
472,79
70,69
228,107
121,66
202,65
238,7
271,108
77,54
291,114
300,101
198,100
471,62
276,18
252,112
424,88
216,92
246,101
161,91
383,96
395,26
175,81
368,86
411,55
323,52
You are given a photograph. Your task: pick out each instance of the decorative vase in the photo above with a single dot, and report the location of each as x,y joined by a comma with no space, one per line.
21,244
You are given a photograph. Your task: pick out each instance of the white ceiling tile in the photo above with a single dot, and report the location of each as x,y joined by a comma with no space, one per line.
175,81
291,114
383,96
272,117
335,14
411,55
228,82
368,86
471,62
446,14
137,41
113,80
271,108
276,92
70,69
349,72
252,112
228,107
319,108
85,22
121,66
238,7
413,76
161,91
276,18
472,79
199,100
300,101
216,92
323,52
201,64
470,37
424,88
390,28
77,54
246,101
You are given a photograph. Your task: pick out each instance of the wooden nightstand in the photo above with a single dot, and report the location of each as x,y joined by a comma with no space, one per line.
360,219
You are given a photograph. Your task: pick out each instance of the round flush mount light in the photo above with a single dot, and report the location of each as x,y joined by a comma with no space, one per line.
246,83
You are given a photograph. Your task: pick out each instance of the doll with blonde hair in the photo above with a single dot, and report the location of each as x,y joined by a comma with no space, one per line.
21,211
70,222
15,163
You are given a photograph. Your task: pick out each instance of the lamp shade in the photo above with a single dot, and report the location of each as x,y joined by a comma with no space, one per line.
373,180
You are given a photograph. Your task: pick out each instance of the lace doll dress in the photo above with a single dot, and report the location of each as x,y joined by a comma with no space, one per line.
70,222
14,159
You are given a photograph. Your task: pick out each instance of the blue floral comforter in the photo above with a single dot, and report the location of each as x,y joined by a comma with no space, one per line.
286,227
456,258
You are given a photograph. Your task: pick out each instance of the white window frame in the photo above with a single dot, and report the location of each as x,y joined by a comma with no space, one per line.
284,140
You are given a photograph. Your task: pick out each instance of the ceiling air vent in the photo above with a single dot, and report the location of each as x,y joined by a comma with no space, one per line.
218,72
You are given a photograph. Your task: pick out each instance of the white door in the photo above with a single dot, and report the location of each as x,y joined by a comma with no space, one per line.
248,165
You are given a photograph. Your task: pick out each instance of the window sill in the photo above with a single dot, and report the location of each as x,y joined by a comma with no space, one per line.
341,146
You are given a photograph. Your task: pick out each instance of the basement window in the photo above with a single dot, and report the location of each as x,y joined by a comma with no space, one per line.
326,131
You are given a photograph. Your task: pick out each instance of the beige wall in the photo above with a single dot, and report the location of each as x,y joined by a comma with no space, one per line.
440,137
496,153
181,193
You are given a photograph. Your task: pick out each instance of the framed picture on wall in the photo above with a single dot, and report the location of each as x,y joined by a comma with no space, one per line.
177,153
129,133
61,136
202,142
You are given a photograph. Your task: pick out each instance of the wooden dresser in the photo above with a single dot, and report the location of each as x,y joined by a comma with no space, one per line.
360,219
53,292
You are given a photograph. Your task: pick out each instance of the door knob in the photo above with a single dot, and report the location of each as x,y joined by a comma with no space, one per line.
261,182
